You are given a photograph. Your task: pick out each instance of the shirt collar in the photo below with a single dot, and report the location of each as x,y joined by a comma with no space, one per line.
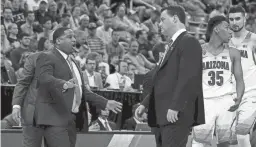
64,55
177,34
88,74
102,120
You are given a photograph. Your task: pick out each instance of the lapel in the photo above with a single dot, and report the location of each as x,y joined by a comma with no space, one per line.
80,72
57,53
172,48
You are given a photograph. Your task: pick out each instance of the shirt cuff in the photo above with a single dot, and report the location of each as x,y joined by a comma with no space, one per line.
16,106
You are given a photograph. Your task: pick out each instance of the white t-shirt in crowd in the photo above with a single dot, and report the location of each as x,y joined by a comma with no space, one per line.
116,78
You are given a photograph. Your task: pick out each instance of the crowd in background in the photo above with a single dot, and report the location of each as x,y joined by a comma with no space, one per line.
115,38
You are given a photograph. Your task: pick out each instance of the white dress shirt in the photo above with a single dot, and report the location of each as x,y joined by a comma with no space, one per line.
116,78
103,122
174,37
90,79
77,73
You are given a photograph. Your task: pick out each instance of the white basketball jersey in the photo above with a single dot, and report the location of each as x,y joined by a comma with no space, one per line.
248,62
217,74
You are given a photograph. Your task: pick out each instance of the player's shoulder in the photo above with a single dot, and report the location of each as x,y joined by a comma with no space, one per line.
234,52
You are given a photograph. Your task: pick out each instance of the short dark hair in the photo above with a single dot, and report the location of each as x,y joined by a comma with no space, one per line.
92,56
151,35
177,10
237,9
213,22
65,15
22,35
45,19
138,33
58,33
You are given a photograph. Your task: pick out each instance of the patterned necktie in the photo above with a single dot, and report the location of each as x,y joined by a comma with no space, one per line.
78,93
106,126
167,48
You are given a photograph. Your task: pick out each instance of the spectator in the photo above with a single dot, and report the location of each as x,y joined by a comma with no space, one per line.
131,123
103,11
18,13
153,39
65,21
92,12
119,80
114,47
33,5
153,21
7,72
7,19
5,45
134,22
28,26
44,44
104,32
91,77
52,13
15,55
103,122
113,63
47,28
40,14
142,39
142,64
94,42
83,24
75,18
12,35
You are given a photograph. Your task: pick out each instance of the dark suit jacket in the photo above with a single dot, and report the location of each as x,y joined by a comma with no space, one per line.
97,79
178,85
102,128
53,106
25,90
130,124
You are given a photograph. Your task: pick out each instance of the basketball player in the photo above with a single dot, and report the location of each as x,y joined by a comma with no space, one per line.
219,62
245,42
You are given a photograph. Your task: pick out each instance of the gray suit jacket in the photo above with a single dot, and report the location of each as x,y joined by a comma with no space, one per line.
97,79
25,91
53,106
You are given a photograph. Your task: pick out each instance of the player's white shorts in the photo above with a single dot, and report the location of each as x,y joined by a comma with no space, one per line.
245,115
218,120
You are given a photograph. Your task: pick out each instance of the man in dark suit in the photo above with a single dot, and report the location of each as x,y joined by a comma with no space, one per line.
131,123
103,123
61,94
175,103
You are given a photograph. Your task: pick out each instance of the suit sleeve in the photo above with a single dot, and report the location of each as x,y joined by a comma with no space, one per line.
94,99
189,73
44,73
23,84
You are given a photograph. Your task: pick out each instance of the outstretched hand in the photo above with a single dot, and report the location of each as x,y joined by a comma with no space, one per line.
114,106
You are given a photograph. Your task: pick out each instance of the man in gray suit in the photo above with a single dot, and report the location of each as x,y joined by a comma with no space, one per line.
62,94
23,101
91,77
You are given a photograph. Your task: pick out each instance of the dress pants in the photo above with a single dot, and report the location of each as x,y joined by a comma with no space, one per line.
172,136
54,136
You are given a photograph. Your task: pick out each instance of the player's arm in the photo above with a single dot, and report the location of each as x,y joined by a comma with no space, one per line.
238,73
